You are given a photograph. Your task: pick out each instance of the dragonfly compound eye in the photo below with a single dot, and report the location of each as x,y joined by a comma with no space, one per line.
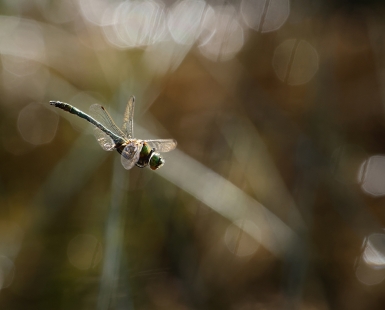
156,161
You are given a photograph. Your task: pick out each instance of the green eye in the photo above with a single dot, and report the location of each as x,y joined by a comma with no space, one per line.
156,161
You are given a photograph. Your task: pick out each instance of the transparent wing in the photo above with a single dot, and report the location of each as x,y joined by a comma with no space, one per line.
128,122
130,154
101,115
103,139
162,145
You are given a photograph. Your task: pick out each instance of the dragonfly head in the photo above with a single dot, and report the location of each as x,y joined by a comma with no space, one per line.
156,161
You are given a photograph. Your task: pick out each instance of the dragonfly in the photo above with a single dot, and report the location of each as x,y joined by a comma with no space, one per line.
110,137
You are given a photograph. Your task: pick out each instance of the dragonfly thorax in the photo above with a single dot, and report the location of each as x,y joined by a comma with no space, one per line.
132,149
145,155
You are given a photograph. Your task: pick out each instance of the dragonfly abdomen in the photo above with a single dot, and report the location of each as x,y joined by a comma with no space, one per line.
71,109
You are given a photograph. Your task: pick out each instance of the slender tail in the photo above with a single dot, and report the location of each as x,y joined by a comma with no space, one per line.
62,105
71,109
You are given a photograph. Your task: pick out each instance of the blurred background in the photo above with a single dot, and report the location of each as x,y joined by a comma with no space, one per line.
275,195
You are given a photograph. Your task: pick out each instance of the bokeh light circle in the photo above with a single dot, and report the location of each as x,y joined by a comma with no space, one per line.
374,252
295,61
7,271
265,15
368,275
372,175
222,35
139,23
184,20
37,125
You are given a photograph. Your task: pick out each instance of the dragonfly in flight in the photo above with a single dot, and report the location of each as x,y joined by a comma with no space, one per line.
133,151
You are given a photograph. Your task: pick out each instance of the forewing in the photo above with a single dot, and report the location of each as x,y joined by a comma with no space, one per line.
130,154
162,145
128,120
101,115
